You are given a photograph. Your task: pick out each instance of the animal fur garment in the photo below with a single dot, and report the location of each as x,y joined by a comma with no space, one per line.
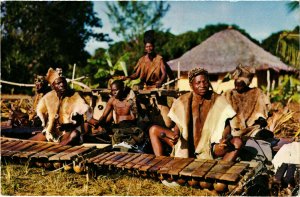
249,106
49,104
150,72
212,129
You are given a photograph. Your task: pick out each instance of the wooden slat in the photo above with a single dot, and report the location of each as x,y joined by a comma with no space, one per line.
118,156
126,156
127,160
230,177
160,164
13,145
237,169
23,146
57,157
234,172
2,141
9,145
188,170
50,151
218,170
143,162
103,157
76,153
135,161
90,160
179,166
203,169
107,158
33,150
151,163
169,165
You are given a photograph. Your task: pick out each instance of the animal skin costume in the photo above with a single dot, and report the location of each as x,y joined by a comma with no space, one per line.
249,105
149,71
51,108
213,126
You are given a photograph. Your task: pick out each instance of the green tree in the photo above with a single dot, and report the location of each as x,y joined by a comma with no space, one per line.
131,19
37,35
293,6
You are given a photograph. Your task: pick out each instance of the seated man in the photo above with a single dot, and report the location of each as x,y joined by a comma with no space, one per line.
41,89
63,108
123,104
250,104
200,117
19,119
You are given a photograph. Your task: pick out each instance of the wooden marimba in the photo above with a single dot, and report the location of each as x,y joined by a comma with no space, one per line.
221,176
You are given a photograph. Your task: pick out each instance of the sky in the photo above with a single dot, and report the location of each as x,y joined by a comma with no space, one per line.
259,18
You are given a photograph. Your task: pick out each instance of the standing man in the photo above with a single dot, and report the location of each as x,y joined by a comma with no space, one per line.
64,110
152,71
201,129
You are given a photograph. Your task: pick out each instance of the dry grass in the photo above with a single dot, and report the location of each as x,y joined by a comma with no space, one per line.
285,121
21,180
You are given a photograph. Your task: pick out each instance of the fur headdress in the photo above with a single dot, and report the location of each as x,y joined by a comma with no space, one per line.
51,75
149,37
244,73
195,72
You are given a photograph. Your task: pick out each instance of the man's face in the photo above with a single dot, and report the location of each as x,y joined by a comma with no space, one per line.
200,85
240,85
40,83
59,71
149,48
115,91
60,85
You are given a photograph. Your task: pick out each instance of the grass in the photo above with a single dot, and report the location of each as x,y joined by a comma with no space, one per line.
22,180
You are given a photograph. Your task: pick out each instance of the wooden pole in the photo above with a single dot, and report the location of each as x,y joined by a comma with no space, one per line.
73,75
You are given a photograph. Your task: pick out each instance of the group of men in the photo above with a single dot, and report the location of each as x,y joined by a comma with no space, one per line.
200,124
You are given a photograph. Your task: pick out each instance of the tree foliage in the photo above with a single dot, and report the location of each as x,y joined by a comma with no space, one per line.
293,6
170,46
131,19
284,44
37,35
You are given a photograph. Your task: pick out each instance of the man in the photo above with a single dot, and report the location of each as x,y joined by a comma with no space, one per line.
64,110
250,104
59,71
18,118
41,89
153,72
200,117
123,104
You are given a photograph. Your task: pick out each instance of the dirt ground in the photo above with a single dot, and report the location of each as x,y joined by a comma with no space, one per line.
22,180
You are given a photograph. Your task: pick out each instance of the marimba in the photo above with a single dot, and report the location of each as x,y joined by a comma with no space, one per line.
221,176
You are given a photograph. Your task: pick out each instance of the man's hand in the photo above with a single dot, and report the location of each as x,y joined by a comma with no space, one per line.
158,84
173,139
220,148
93,122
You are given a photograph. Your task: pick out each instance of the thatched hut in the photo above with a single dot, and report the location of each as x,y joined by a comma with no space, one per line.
222,52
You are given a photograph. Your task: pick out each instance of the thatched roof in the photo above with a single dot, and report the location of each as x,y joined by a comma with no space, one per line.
223,51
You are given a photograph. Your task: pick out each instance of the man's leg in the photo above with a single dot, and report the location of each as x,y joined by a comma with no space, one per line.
38,137
232,155
157,135
70,138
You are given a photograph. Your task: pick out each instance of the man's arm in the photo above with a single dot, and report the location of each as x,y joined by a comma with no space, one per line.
164,74
107,109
